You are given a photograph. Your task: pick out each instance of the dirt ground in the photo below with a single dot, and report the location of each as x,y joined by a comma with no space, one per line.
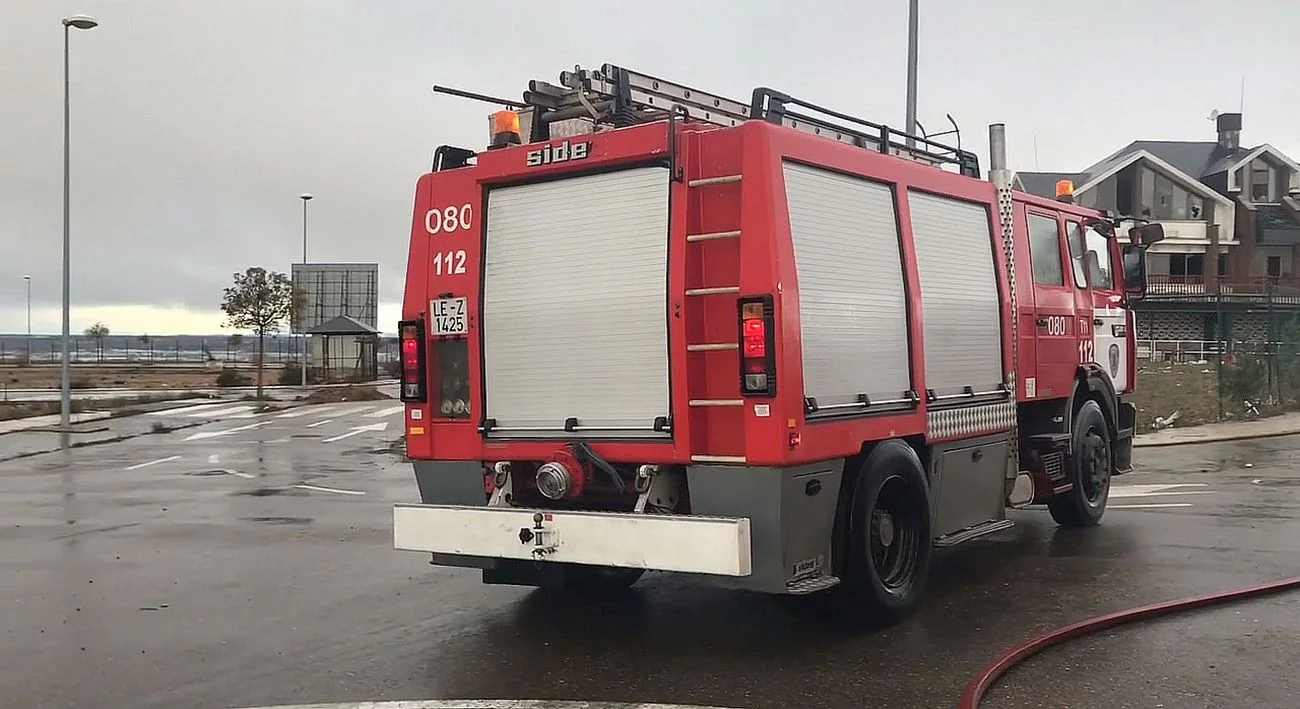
1191,390
109,376
123,406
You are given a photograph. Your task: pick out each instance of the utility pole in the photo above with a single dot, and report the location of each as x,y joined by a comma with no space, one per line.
913,26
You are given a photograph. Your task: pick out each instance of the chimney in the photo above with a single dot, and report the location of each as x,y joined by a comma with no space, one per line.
1229,127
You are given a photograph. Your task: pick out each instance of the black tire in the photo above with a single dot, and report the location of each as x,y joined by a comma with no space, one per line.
1092,465
887,539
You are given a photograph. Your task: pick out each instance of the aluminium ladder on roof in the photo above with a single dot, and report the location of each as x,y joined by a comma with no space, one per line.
618,97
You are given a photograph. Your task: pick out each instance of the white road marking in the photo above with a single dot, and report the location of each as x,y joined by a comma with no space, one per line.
213,459
239,474
1144,490
383,413
304,411
186,409
356,410
318,488
1150,506
214,434
221,412
357,430
137,466
487,704
320,423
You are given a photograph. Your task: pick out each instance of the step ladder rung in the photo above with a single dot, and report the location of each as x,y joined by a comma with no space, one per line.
725,459
713,346
706,181
710,236
716,402
715,290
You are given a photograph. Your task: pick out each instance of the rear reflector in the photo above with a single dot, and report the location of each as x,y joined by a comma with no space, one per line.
757,346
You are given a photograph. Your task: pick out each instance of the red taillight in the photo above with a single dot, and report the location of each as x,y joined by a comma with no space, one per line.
413,376
757,349
755,337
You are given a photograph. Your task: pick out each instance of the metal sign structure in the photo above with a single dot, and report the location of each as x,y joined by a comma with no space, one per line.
333,289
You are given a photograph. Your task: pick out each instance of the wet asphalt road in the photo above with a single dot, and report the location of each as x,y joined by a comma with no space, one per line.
255,568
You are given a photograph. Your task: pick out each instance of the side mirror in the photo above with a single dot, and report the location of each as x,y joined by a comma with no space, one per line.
1147,234
1135,269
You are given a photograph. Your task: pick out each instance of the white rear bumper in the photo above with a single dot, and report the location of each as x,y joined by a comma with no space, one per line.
702,545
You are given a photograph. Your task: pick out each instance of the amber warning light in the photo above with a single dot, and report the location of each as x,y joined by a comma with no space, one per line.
1064,191
505,129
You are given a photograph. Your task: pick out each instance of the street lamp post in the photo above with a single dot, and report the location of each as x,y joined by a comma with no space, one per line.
80,22
305,197
29,318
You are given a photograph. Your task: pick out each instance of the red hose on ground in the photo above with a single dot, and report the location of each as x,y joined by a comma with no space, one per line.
970,698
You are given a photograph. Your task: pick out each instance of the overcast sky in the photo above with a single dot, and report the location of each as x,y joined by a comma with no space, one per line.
196,124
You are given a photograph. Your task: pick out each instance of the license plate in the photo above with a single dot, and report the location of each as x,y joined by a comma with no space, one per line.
449,316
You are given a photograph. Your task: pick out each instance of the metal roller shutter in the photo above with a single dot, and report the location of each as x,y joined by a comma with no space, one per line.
852,310
959,294
575,304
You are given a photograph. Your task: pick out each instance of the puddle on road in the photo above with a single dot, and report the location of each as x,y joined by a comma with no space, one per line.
268,492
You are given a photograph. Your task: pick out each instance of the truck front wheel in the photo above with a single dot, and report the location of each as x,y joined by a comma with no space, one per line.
1091,465
888,539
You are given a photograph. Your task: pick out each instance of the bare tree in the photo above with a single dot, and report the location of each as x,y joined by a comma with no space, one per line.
260,301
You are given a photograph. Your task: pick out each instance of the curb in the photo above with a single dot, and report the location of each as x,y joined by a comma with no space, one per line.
1226,438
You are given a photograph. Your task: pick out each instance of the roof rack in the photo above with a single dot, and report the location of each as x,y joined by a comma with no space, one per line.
588,100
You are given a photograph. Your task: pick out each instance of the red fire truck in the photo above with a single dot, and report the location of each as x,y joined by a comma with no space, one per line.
771,345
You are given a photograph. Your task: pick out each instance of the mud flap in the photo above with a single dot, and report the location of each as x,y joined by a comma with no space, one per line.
1123,446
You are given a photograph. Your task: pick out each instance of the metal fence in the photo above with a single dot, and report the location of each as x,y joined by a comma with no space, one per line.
184,350
1244,364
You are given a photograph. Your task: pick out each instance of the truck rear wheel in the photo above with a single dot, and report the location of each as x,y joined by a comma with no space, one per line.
1092,464
888,539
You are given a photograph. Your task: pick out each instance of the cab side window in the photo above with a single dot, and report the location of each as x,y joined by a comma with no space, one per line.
1074,239
1097,261
1045,251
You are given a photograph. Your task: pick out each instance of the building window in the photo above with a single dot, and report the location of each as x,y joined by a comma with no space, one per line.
1045,251
1146,191
1188,265
1163,207
1261,182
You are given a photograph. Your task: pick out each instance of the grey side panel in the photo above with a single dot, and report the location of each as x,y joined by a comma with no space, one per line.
452,482
791,513
959,294
968,480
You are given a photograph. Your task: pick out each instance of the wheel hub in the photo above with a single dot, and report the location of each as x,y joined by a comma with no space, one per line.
884,528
